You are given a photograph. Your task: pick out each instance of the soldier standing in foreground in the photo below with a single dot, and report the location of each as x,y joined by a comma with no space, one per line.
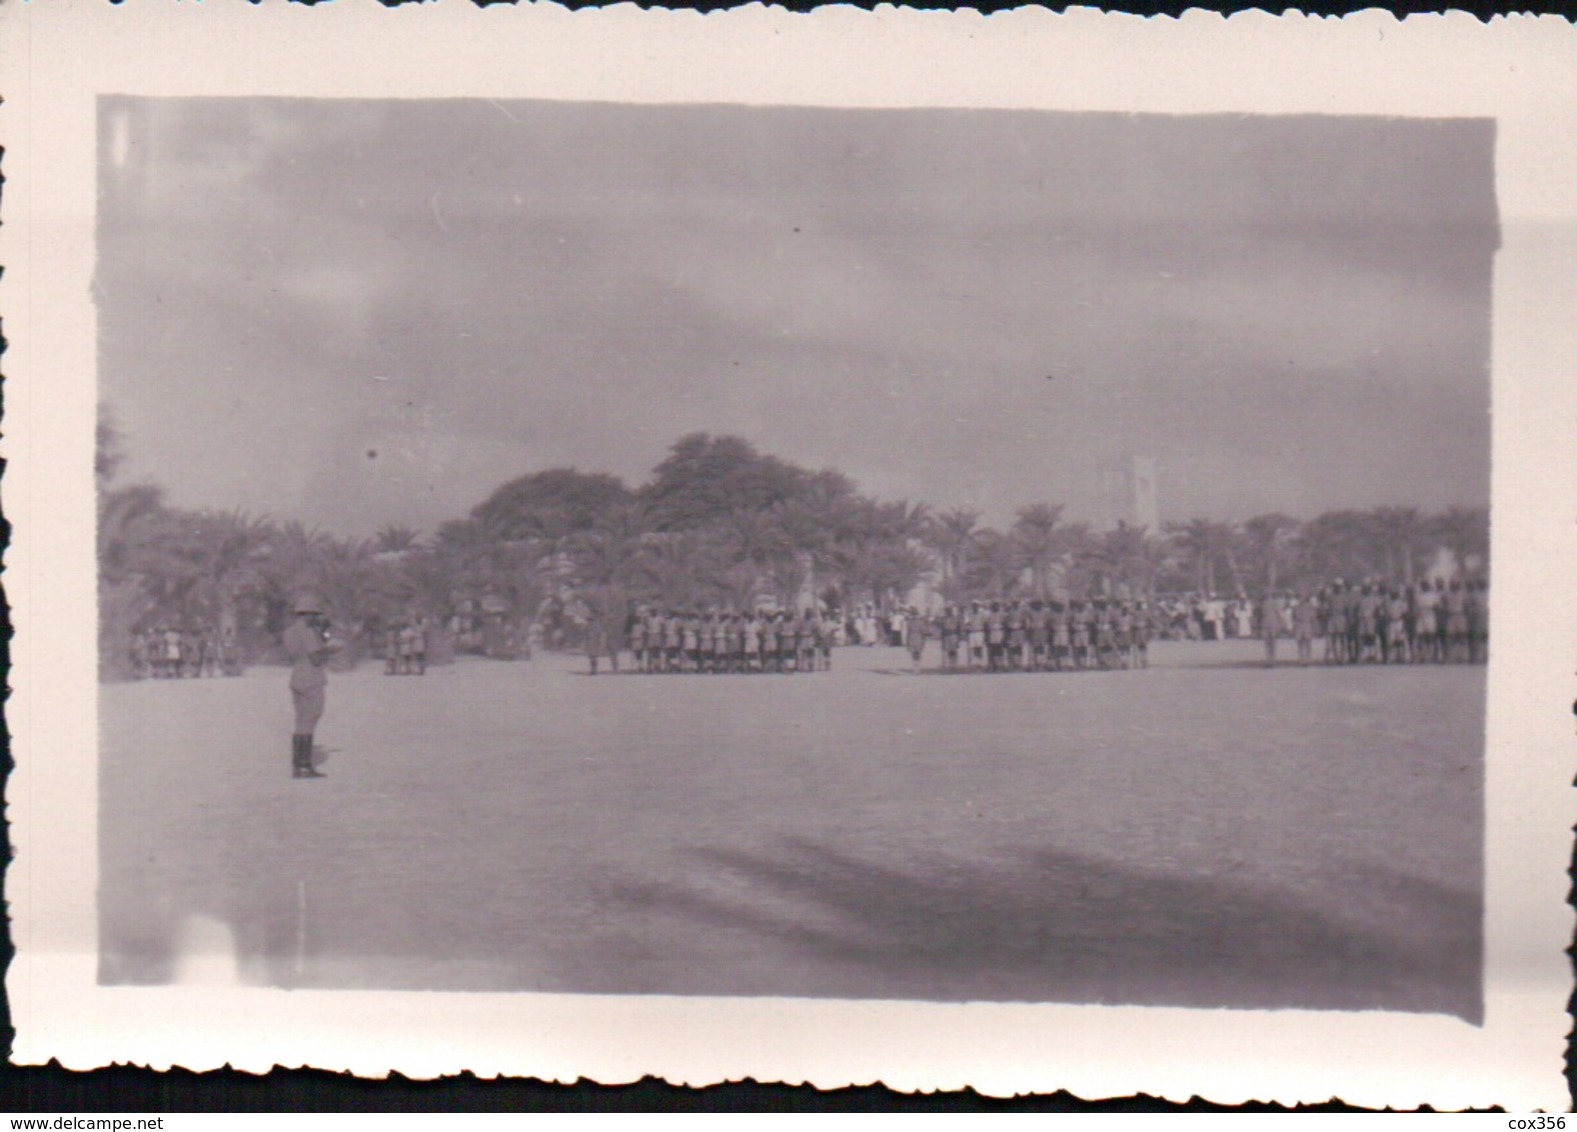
419,646
915,630
1305,621
309,650
1270,626
596,639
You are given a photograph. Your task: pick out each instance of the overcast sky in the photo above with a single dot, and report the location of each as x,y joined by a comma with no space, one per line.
359,313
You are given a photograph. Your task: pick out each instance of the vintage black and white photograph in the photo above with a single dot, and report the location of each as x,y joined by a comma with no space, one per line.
832,549
717,550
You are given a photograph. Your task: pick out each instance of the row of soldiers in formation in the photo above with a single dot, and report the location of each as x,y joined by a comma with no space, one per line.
670,640
998,636
1365,622
165,652
1034,635
1372,622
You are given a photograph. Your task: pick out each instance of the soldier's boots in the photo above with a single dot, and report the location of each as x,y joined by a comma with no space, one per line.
301,758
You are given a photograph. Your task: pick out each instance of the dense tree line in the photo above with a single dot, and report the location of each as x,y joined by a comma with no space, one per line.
718,524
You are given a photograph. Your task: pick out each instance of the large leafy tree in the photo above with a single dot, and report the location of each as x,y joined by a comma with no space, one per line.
719,524
608,554
695,568
550,506
470,562
705,478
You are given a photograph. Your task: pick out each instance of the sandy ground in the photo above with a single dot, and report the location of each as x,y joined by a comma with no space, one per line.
1204,832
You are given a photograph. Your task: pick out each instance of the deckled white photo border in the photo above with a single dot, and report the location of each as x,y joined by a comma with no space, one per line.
54,61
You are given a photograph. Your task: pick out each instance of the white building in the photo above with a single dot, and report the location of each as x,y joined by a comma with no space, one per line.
1129,494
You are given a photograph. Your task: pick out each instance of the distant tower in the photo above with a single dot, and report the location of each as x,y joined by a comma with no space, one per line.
1130,496
1146,498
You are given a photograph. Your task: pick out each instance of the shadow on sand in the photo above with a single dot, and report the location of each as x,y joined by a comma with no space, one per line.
1052,926
804,920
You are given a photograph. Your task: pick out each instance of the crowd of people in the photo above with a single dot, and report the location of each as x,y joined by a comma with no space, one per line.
1429,622
988,636
1372,621
166,651
1367,622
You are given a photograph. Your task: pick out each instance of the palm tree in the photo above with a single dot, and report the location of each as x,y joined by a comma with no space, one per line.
394,539
950,534
880,570
899,568
424,579
1129,559
348,576
1192,540
853,554
298,547
290,563
901,560
170,562
1034,536
234,548
1109,559
1075,548
469,562
902,520
1152,559
1204,545
809,528
995,569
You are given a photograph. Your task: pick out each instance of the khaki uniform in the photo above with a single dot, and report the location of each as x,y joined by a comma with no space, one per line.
308,680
